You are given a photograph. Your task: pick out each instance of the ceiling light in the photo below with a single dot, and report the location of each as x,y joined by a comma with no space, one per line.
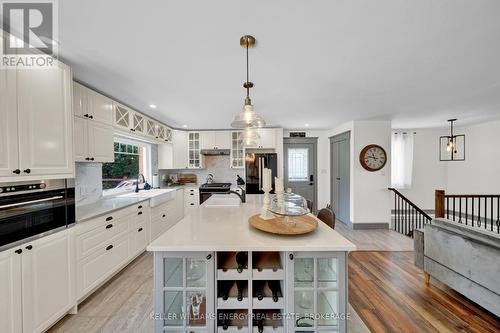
185,126
152,106
306,125
248,118
249,137
452,146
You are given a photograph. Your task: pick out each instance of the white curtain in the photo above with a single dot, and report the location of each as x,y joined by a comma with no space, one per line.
402,159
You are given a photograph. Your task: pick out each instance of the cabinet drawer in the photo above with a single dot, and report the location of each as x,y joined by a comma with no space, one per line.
94,239
103,220
138,239
94,269
161,212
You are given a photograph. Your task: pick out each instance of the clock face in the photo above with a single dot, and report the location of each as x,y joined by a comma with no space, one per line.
373,157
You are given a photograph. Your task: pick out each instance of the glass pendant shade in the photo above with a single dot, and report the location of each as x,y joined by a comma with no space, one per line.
249,137
248,118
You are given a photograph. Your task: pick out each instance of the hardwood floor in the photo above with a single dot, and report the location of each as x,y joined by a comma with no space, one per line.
375,240
389,294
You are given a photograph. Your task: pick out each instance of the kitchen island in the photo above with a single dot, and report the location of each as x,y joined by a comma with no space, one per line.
215,273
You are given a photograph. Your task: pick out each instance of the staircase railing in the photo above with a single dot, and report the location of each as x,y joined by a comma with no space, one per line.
476,210
407,215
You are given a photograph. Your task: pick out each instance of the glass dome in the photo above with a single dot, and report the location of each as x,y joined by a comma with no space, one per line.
289,205
248,118
249,137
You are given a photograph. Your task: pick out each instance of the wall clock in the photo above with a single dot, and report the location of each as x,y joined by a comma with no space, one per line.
373,158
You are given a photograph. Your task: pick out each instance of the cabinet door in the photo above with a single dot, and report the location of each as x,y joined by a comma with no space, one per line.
194,154
151,128
10,292
80,134
80,100
165,156
180,149
138,123
123,117
317,285
207,140
45,121
237,151
47,280
101,142
267,138
9,159
222,140
100,107
184,286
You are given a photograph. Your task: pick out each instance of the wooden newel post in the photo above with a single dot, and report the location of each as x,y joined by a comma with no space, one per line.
439,204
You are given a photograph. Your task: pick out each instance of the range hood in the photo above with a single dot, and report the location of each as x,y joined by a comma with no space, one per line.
215,152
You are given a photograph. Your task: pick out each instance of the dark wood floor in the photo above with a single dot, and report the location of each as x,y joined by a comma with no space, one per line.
389,294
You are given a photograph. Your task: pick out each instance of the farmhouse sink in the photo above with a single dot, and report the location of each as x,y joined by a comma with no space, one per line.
156,196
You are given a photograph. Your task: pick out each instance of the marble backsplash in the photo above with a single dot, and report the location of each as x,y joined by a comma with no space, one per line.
219,166
88,183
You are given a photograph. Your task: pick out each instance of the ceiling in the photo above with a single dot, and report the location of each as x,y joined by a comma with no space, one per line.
320,62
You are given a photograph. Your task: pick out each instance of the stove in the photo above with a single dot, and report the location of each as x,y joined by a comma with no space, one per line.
206,190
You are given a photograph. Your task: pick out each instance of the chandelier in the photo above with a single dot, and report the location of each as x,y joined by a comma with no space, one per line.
452,146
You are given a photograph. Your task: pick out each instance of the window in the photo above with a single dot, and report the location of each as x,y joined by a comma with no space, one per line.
131,158
298,164
401,160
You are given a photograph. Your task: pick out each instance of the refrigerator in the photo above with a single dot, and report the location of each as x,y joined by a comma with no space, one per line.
254,164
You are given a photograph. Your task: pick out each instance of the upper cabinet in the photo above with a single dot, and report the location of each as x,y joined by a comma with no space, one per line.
267,138
194,154
215,139
237,151
92,105
122,117
37,123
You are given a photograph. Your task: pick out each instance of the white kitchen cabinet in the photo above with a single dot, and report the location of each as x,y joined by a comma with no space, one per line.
191,199
237,151
194,150
207,139
215,139
11,319
100,108
138,122
9,144
80,100
47,280
45,122
267,138
151,128
122,117
94,141
180,150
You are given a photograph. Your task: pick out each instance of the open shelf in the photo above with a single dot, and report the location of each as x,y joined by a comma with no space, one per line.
236,320
272,321
267,266
267,301
227,266
232,301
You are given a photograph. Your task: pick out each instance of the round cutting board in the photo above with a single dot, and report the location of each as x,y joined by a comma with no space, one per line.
303,225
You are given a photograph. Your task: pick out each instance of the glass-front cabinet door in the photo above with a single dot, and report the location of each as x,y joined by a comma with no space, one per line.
237,152
316,293
194,153
184,288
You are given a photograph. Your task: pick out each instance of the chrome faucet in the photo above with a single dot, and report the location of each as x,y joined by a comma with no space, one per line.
242,196
139,175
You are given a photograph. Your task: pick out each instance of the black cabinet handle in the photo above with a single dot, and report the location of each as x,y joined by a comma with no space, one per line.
86,115
139,207
140,213
209,257
109,218
87,158
109,226
140,229
291,256
17,171
191,194
109,247
192,204
27,170
29,247
92,158
18,251
91,117
163,215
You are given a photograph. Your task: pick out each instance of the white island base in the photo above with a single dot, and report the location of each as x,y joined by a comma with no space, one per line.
215,273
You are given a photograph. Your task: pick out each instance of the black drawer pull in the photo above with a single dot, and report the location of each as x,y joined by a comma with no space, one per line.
18,251
209,257
29,247
109,247
291,256
140,213
140,229
109,226
17,171
139,207
192,204
109,218
91,117
191,194
27,170
92,158
163,215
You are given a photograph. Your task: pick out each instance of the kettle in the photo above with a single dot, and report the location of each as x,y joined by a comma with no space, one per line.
239,180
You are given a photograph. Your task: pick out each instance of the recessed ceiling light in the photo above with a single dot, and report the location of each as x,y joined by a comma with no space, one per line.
185,126
152,106
306,125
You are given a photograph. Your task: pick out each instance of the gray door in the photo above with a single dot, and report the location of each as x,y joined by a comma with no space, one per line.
340,175
300,167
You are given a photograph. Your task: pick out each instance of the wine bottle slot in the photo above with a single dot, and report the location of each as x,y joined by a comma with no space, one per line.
241,260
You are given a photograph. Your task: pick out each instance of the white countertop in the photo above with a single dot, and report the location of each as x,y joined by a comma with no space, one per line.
227,229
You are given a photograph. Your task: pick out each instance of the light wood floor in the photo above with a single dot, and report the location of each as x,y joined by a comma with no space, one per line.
388,292
375,240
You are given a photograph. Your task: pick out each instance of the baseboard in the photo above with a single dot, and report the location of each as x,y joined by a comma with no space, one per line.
366,226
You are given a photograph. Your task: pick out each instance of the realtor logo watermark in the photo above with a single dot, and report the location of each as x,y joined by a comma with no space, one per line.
29,33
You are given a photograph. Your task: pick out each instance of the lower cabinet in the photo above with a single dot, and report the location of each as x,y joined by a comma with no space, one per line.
36,283
165,216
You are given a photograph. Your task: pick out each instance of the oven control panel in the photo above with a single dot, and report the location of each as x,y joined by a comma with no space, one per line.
22,188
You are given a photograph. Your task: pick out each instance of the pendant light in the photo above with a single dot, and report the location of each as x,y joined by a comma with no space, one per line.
248,118
452,146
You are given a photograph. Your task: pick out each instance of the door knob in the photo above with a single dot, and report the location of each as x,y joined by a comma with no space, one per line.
27,170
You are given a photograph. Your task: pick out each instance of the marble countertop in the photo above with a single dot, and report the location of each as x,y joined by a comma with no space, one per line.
227,229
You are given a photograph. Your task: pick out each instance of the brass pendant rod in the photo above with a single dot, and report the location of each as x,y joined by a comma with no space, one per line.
248,87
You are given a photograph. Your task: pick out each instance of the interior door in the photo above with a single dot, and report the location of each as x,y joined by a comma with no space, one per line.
300,167
340,176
